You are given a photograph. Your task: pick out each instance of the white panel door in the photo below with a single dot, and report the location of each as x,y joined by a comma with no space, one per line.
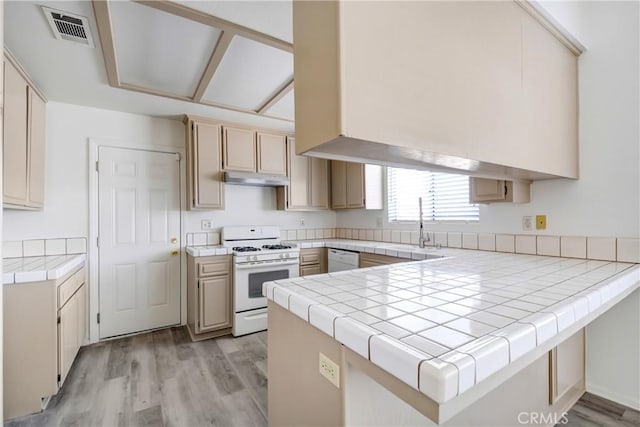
139,240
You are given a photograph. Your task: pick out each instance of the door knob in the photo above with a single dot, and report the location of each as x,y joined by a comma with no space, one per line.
174,252
174,240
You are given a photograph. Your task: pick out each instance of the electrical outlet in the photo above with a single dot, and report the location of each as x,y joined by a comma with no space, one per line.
206,224
527,223
301,221
329,369
541,222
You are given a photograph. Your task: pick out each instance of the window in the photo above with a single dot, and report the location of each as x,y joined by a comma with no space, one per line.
445,197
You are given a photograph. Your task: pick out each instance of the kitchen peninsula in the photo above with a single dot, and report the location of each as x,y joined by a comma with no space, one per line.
474,337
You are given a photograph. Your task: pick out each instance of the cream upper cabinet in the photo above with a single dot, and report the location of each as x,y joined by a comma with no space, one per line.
272,154
449,70
308,187
239,148
15,136
37,111
205,188
355,186
319,186
24,141
483,190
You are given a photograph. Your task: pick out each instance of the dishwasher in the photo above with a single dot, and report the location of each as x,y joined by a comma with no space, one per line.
342,260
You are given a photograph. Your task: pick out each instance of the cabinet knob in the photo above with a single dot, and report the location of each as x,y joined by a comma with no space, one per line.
174,252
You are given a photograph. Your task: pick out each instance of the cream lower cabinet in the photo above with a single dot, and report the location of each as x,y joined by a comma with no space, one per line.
313,261
209,296
24,140
45,323
373,260
205,189
308,187
355,186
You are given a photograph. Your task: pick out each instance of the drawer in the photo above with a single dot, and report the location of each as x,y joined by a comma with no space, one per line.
70,286
310,270
312,256
213,268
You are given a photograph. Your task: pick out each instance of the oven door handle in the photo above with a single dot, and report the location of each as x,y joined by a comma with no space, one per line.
248,266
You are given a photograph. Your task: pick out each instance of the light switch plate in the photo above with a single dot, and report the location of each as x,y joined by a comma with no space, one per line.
527,223
206,224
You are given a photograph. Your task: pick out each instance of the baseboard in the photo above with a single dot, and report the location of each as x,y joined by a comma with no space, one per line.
613,396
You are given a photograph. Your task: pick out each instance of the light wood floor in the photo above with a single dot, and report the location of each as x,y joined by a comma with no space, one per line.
162,378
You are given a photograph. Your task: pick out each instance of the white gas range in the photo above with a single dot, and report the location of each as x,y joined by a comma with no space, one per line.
258,257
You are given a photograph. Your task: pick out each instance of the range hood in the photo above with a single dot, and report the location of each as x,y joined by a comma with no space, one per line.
255,179
487,89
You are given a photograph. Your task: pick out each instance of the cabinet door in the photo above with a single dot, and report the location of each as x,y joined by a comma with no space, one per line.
319,183
239,147
298,189
36,149
67,336
310,270
485,190
272,154
338,184
208,189
81,297
215,303
15,136
567,366
355,185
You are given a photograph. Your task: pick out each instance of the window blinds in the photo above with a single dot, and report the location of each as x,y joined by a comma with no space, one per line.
445,197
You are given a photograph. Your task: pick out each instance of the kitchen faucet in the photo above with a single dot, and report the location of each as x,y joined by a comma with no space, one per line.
422,240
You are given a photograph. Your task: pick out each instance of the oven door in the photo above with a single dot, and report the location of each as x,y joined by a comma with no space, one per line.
248,280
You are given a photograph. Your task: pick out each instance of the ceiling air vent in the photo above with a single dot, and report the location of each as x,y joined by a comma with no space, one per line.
66,26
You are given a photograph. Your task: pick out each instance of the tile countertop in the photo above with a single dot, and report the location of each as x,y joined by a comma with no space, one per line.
39,268
208,250
443,325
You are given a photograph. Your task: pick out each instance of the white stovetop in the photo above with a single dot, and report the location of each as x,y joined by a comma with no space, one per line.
38,268
442,326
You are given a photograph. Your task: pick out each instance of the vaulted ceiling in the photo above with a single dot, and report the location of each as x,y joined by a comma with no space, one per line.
227,60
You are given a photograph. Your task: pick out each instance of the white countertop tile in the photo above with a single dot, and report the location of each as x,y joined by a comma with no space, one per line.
456,320
39,268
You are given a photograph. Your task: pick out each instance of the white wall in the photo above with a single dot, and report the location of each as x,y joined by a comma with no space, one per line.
69,128
605,201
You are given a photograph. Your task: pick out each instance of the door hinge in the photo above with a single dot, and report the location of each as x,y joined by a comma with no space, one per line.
59,377
98,241
98,317
178,157
97,167
58,320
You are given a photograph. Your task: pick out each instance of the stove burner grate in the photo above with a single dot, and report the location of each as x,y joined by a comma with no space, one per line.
274,247
245,249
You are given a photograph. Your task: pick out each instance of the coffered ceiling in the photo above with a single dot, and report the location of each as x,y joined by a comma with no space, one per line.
230,60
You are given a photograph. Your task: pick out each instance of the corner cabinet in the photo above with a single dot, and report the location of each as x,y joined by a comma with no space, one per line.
45,324
308,187
209,296
205,189
355,186
24,140
313,261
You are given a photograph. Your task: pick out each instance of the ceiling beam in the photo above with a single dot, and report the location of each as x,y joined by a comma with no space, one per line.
277,96
103,20
214,21
216,57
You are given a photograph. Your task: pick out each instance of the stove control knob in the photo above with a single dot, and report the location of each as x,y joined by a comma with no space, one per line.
281,256
286,255
248,258
255,257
